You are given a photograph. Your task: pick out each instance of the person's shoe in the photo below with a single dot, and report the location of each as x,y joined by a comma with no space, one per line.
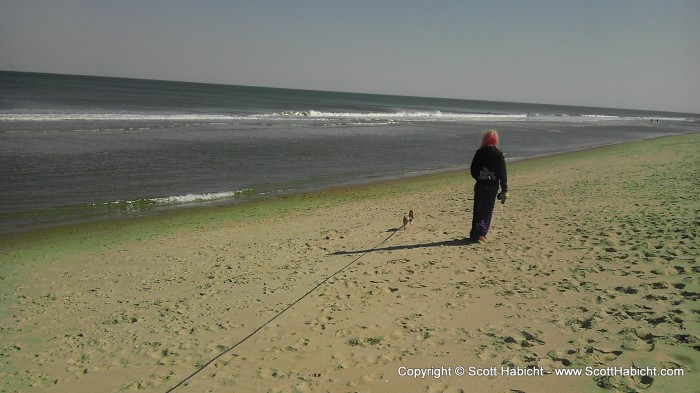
482,239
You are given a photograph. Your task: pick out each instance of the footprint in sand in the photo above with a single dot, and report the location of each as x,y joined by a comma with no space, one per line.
606,355
624,384
561,357
634,341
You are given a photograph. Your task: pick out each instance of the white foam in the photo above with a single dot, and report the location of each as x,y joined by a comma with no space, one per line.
176,199
401,115
313,115
190,198
605,117
287,115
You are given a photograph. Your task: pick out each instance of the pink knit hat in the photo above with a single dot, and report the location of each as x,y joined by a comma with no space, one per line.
490,138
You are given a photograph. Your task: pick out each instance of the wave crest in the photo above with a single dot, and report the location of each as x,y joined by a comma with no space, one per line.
315,115
138,204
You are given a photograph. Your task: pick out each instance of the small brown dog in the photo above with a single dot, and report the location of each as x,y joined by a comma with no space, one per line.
408,220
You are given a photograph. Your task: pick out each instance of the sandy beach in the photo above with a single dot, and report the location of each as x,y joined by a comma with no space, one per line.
591,265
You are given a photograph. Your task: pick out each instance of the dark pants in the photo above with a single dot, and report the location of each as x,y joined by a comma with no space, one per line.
484,201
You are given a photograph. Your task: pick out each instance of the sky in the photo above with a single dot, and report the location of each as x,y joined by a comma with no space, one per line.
640,54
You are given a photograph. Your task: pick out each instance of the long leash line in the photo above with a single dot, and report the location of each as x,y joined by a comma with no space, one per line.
244,339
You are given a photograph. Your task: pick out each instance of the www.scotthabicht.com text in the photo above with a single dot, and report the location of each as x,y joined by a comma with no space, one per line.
472,371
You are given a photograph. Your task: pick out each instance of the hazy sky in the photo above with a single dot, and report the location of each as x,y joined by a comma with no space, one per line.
629,54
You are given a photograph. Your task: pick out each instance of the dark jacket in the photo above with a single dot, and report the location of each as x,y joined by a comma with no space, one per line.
489,166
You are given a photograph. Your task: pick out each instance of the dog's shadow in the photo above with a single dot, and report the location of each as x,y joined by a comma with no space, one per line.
454,242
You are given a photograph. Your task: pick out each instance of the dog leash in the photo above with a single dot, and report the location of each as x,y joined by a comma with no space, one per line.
244,339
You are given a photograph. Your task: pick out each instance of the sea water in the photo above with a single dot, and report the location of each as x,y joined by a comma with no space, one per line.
79,147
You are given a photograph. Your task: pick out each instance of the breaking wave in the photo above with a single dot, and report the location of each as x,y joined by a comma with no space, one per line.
138,204
313,115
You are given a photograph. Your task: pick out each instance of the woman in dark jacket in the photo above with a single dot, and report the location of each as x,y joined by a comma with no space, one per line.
489,170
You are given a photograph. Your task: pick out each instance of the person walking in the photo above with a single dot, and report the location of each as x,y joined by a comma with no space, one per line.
488,168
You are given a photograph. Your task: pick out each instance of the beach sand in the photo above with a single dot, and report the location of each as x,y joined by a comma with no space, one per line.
592,262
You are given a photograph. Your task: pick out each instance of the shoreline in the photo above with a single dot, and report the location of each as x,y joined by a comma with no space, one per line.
257,198
585,267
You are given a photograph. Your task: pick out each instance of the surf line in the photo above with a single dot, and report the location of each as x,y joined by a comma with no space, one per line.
244,339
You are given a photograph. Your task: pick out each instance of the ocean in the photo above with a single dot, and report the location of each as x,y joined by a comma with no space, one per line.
75,148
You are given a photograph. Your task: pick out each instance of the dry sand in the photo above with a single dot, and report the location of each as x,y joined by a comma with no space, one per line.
593,262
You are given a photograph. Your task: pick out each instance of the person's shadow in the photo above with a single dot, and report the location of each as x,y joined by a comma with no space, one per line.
454,242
